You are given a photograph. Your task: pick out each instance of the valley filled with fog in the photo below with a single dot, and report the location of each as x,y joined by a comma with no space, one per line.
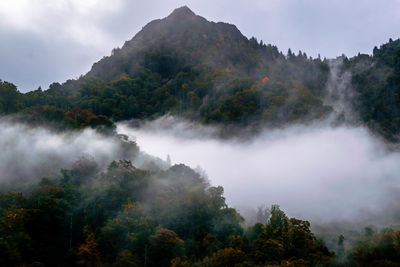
195,139
317,172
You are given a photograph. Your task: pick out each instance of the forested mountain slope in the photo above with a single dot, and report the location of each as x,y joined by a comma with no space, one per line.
376,81
121,214
209,72
186,65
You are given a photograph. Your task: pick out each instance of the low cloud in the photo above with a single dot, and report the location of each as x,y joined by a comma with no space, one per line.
28,154
315,172
72,19
319,172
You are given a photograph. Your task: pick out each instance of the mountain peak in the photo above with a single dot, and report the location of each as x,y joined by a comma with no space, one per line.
182,12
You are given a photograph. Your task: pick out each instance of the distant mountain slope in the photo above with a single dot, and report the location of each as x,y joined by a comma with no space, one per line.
165,45
376,79
209,72
186,65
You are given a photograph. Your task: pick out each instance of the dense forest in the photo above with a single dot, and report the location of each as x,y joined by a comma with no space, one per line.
209,72
187,66
162,215
125,216
376,81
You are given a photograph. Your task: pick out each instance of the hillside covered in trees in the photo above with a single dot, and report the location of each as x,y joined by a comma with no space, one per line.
162,215
209,72
126,216
188,66
376,81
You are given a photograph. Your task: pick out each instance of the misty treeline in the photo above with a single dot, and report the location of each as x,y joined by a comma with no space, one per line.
160,215
376,80
125,216
28,108
209,72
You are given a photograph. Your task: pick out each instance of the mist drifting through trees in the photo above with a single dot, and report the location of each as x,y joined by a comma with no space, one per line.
319,172
192,145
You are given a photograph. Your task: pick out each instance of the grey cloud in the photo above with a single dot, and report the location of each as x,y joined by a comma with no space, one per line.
58,52
29,61
317,172
30,153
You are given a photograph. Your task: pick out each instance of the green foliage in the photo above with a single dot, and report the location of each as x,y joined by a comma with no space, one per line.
377,82
284,239
187,66
10,98
165,245
129,231
227,257
130,217
209,72
377,249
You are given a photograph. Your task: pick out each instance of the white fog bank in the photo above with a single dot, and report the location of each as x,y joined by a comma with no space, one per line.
316,173
29,153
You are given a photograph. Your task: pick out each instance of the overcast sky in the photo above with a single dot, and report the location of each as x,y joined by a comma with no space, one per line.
44,41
